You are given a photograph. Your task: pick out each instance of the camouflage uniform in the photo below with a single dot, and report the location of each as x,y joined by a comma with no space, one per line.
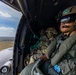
67,64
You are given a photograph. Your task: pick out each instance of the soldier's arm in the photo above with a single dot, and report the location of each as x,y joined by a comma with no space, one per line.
51,48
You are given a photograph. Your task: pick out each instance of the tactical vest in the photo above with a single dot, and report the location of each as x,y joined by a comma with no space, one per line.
65,57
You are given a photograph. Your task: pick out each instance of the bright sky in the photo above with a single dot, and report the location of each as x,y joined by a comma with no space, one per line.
9,20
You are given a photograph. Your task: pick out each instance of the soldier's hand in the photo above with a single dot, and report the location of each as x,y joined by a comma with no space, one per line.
44,58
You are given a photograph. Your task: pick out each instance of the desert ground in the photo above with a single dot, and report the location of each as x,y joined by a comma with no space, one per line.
6,44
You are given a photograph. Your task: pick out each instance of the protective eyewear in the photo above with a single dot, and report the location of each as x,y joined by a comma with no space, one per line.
67,20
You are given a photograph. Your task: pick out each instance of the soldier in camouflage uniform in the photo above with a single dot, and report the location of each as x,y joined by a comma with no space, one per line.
61,52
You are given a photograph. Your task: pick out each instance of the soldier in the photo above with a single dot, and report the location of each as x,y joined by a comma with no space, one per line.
61,53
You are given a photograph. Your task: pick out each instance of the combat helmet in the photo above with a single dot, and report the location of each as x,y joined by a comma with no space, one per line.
69,15
69,11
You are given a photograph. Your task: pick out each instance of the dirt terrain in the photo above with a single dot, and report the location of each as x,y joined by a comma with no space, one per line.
6,44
